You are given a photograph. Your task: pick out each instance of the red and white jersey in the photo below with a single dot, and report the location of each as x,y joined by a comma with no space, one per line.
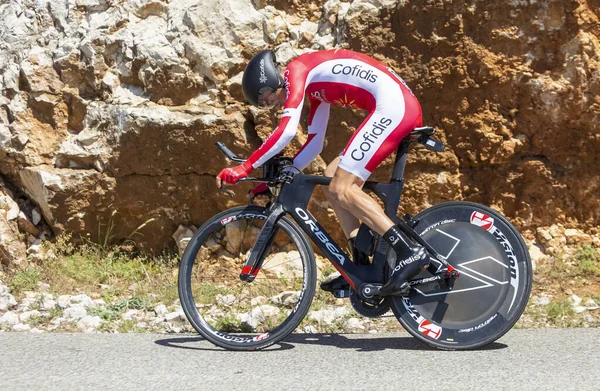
338,77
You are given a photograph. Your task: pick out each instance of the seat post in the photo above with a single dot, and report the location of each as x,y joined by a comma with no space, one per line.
400,163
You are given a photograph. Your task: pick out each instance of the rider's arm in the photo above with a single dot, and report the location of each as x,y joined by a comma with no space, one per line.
295,80
317,125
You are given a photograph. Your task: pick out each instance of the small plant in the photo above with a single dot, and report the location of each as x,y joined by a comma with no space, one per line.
207,293
167,293
103,313
559,267
109,295
55,312
36,321
327,270
63,245
134,303
588,261
557,310
106,327
128,326
36,305
25,281
231,324
107,234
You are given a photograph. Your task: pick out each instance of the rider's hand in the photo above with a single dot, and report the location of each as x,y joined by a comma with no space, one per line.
233,174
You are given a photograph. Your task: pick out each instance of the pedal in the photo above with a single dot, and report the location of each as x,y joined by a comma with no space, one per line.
341,293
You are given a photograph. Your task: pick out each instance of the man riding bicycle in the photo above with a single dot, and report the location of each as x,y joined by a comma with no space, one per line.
345,78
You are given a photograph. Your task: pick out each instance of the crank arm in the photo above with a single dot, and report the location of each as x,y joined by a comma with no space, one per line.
370,290
421,281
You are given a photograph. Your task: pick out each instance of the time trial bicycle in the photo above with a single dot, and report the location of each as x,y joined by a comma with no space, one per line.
248,275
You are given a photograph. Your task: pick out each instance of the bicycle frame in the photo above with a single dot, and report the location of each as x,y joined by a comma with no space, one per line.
293,200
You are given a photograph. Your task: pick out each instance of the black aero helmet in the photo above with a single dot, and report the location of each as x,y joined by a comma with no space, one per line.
260,72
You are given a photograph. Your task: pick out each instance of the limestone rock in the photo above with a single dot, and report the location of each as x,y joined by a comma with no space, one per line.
109,110
216,32
83,300
161,310
21,327
12,247
75,312
89,323
9,318
7,301
182,237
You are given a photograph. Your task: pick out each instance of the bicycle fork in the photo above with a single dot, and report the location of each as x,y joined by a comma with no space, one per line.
262,245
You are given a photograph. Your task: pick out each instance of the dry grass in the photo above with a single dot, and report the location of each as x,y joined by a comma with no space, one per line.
107,272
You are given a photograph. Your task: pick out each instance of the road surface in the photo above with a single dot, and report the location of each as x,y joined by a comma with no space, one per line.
533,359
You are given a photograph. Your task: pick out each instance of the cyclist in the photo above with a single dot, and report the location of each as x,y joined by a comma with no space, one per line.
350,79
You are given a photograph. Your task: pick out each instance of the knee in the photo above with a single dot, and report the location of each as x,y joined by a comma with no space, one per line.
340,193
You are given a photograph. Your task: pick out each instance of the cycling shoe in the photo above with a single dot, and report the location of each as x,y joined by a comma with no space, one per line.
405,270
336,284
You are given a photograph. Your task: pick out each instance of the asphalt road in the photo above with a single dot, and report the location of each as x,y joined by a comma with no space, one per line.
538,359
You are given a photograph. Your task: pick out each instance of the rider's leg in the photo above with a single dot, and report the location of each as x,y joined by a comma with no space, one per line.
346,187
375,139
346,193
348,222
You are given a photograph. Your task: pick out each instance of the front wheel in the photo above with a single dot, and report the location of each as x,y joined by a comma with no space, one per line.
494,284
243,315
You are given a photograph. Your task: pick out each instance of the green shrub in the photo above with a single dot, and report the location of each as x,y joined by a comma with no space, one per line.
25,281
588,261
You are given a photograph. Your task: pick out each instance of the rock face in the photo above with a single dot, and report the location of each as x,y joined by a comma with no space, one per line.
109,110
514,85
12,248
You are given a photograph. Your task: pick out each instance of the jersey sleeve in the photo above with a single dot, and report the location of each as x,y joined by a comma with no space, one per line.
294,84
317,126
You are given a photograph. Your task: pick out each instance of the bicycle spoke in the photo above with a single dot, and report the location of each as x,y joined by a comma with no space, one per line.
267,295
279,264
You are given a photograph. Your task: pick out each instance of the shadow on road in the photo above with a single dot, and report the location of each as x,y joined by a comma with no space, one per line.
367,344
186,343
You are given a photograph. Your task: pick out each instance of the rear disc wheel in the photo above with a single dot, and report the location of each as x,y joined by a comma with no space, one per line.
494,284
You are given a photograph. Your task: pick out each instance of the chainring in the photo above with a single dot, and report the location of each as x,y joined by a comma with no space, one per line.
372,308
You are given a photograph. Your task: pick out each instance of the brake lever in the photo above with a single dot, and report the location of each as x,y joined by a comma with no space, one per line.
231,193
